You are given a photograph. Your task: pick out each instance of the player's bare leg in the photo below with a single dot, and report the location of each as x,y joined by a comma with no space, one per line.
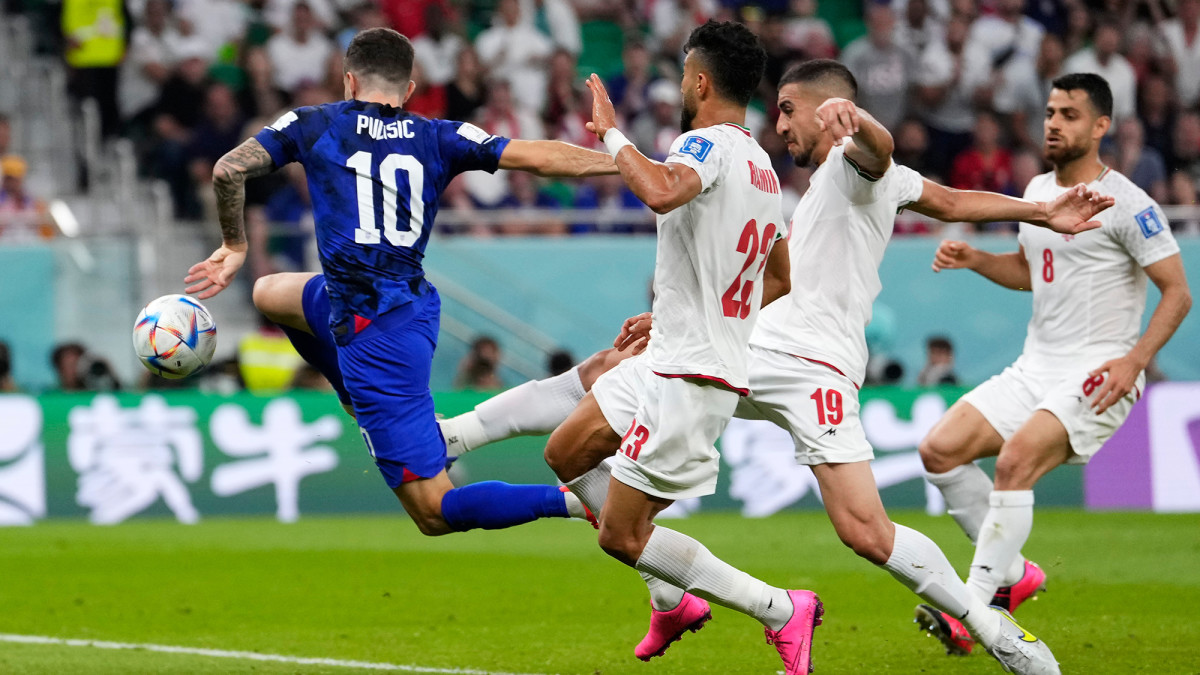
422,500
280,297
534,408
1033,451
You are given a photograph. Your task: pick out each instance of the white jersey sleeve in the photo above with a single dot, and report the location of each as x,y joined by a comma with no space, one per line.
1143,231
905,185
856,185
703,151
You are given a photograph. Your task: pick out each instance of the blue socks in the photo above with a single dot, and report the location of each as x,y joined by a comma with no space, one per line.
493,505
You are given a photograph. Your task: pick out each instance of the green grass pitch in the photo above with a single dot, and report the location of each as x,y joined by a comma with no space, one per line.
1124,596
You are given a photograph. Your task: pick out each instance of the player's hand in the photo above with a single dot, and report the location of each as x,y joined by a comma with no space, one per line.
839,117
1074,210
1119,376
604,115
209,277
953,255
635,332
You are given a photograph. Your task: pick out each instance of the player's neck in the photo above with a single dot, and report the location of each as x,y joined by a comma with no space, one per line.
379,97
1083,170
719,113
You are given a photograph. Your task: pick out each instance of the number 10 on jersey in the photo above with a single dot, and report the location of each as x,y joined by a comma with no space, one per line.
368,231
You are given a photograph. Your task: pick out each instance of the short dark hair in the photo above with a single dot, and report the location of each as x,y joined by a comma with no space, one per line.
821,70
939,342
733,55
1093,85
381,53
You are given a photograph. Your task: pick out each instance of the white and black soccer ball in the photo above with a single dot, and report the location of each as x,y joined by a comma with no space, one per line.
174,336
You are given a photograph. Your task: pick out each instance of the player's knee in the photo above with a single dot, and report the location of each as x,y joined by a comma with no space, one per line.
623,546
596,365
869,539
265,290
1015,467
937,455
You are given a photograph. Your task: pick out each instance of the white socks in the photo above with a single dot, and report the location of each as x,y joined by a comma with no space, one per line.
966,489
1004,532
532,409
921,566
592,487
575,507
680,560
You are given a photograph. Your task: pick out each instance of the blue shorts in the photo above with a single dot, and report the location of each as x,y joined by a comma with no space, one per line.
316,315
386,368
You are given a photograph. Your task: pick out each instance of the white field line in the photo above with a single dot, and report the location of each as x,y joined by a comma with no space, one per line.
250,656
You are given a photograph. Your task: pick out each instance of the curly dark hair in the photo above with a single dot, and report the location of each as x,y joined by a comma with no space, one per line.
733,55
1093,85
382,53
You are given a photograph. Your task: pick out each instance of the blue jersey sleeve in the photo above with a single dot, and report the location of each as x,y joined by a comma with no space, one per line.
466,147
289,138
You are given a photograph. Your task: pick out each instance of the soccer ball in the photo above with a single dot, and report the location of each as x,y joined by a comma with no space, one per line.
174,336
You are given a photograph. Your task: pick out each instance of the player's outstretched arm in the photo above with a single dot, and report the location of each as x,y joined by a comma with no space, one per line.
1010,270
1176,300
248,160
870,145
555,159
777,275
662,187
1071,213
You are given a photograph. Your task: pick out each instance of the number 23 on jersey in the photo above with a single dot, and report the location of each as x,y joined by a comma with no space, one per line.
735,301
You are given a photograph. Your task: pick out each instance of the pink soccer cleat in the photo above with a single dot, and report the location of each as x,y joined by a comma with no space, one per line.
667,627
794,640
1009,598
949,630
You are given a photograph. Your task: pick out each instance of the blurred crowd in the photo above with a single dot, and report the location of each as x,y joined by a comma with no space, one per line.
961,84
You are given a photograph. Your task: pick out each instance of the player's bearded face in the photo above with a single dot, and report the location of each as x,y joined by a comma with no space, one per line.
687,111
1071,126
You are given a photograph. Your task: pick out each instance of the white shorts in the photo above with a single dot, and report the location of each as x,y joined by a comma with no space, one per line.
1008,400
669,426
817,405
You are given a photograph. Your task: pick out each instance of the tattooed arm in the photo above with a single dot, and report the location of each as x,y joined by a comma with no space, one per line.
248,160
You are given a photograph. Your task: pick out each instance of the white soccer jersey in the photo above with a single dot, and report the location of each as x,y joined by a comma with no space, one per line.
1089,290
839,232
711,253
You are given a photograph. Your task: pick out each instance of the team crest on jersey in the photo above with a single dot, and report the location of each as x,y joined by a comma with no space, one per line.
696,146
1149,222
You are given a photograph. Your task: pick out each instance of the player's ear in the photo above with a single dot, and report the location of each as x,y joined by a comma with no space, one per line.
412,86
1101,128
350,85
703,85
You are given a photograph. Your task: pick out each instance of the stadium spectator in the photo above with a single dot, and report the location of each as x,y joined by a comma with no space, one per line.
427,100
502,115
289,215
1186,157
882,68
1103,59
9,386
151,56
939,363
478,370
558,19
219,24
912,148
1079,27
516,51
1182,192
1141,164
301,52
437,49
985,165
807,34
612,201
219,131
568,103
1157,112
532,211
919,28
657,128
629,88
22,216
408,16
464,95
95,33
672,20
1182,38
259,97
366,15
1022,91
279,14
78,370
951,76
266,359
1008,33
178,111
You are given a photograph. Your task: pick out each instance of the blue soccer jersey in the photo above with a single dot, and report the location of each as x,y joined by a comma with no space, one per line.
375,174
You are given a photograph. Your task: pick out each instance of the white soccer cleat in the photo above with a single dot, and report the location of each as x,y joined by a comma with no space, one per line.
1019,651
